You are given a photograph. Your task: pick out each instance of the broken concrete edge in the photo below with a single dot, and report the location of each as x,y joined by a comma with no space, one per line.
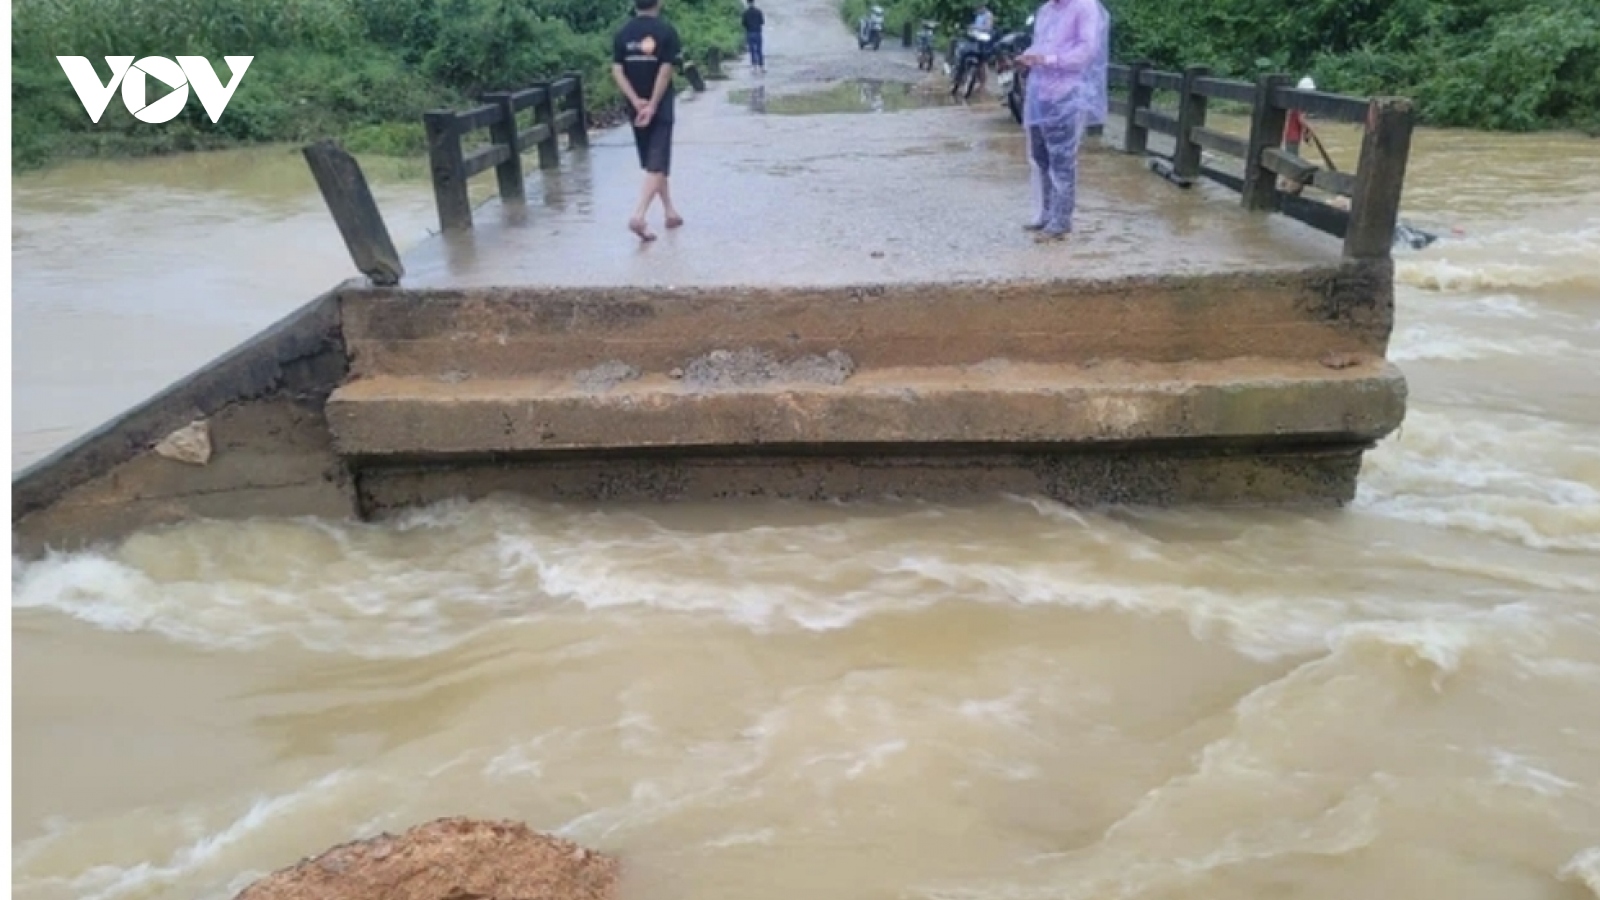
1265,409
1217,476
1334,282
301,354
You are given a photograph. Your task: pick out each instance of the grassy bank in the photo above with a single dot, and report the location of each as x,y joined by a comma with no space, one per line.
360,70
1514,65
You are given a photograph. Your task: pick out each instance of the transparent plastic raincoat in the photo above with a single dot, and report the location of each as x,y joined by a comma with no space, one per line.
1066,94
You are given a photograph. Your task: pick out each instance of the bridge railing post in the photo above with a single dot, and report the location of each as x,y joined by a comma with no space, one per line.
1136,138
1267,120
345,190
1191,115
448,170
544,113
1380,179
578,136
508,173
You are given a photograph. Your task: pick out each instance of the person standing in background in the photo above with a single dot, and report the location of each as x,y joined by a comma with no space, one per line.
1066,94
643,56
754,22
1294,131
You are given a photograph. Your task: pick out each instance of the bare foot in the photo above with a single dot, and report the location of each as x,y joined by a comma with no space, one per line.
638,227
674,221
1050,237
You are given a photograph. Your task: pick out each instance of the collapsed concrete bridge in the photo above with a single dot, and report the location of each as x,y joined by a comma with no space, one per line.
1205,353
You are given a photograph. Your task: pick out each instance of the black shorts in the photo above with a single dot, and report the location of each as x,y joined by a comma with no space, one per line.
655,147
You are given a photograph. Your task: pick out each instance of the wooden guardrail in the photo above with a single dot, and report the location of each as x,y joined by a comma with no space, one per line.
558,108
1373,190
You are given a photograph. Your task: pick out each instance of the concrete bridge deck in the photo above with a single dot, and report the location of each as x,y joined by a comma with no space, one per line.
920,195
852,311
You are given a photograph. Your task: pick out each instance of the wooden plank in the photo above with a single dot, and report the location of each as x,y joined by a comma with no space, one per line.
1288,165
565,120
562,87
1191,115
1301,171
578,130
1226,179
508,172
1219,142
1156,121
477,117
538,134
1136,137
345,190
1116,73
1266,130
1227,89
1118,106
1341,183
445,168
485,157
527,98
1161,81
1334,107
544,115
1380,179
1329,220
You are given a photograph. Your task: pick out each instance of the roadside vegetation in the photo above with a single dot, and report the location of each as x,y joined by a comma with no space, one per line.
1514,65
360,70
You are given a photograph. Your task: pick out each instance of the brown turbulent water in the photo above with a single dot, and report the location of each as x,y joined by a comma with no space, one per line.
994,701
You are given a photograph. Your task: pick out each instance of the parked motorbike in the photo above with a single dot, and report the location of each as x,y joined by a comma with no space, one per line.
973,54
925,46
870,31
1013,78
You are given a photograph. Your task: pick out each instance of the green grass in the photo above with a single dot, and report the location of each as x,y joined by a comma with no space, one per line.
363,71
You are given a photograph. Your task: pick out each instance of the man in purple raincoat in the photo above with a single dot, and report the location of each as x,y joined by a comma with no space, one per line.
1066,95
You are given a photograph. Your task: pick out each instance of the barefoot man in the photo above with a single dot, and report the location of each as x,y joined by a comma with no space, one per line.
643,57
1066,94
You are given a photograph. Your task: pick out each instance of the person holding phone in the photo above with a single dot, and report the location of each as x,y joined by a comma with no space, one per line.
1066,95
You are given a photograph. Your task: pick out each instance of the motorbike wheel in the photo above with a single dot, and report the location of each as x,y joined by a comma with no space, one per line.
960,77
1014,102
876,43
973,71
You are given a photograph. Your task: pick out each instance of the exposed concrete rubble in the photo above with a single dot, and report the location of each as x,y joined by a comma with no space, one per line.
750,367
447,859
190,444
605,376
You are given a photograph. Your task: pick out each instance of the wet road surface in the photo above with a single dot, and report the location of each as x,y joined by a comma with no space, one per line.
784,181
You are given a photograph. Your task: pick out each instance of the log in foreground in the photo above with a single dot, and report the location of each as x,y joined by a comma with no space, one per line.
447,859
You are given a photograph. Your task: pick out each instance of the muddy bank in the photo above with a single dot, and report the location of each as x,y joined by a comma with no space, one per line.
447,859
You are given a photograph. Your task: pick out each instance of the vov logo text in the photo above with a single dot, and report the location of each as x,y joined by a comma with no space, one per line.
180,76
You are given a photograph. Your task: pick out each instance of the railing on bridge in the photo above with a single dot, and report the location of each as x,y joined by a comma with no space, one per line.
1373,190
558,108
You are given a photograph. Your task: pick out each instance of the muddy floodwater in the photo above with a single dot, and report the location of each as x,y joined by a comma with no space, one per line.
996,701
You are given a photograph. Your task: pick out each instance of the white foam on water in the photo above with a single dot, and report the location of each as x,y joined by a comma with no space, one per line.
207,854
1514,770
625,566
1584,869
1531,481
1528,256
1433,341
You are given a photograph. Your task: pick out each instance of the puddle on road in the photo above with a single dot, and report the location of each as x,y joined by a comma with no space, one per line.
855,96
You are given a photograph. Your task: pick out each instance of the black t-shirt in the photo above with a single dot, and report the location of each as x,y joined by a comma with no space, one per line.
753,20
641,47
